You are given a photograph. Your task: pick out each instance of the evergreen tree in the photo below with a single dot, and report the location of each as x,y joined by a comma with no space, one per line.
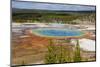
57,54
61,57
51,56
77,56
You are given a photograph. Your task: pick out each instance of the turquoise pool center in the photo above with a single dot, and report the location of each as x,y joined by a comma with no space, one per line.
52,32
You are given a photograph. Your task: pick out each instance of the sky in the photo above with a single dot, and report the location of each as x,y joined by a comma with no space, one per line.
50,6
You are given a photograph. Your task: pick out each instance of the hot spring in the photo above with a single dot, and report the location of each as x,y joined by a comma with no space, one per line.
53,32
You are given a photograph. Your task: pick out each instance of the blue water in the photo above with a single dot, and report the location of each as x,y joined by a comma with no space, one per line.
57,32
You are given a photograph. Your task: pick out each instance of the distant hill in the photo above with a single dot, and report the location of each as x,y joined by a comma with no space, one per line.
17,10
24,15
